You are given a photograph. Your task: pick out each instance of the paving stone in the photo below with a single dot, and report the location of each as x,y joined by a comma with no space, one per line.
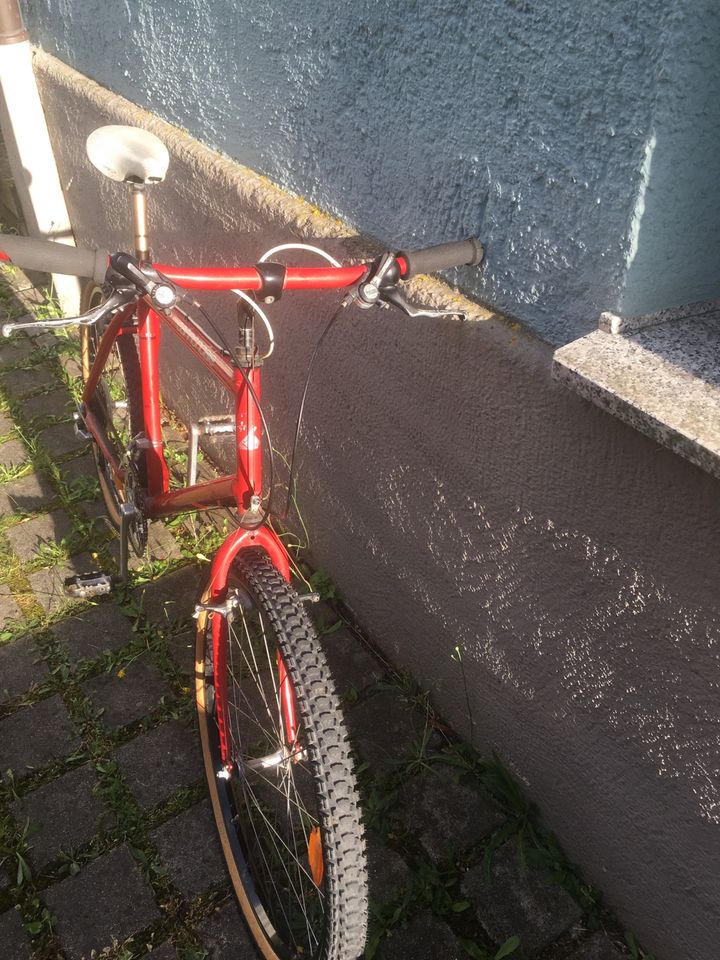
47,340
47,584
26,495
171,598
448,816
36,735
13,939
16,383
384,729
181,647
168,603
424,938
107,900
351,663
67,815
124,699
28,537
61,439
15,349
9,610
516,902
598,947
20,668
73,367
92,632
387,871
189,847
161,546
7,423
225,937
57,403
160,762
79,467
165,952
12,453
96,511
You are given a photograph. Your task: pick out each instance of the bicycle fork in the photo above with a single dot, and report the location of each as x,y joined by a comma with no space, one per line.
223,604
223,614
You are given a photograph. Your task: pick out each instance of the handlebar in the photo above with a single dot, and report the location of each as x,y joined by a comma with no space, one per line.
128,279
52,257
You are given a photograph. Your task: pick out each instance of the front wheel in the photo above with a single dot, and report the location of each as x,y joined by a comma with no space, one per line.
284,792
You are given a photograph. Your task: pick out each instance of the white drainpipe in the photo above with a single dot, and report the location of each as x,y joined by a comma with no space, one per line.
28,146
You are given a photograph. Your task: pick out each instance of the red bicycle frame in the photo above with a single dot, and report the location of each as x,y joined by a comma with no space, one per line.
142,320
247,481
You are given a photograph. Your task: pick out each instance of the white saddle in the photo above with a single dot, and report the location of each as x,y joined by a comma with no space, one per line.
128,154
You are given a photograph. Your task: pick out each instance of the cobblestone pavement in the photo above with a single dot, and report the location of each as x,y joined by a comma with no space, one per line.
106,839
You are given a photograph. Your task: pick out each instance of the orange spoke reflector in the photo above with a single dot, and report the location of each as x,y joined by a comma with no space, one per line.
315,856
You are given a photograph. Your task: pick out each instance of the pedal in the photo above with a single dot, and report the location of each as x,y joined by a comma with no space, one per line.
84,586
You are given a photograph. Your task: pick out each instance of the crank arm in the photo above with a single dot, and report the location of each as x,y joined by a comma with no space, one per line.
394,296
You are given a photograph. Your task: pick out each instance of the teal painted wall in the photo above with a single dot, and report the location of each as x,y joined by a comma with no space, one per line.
528,123
674,254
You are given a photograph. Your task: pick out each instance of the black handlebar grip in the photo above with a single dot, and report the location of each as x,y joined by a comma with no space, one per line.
129,268
49,256
461,253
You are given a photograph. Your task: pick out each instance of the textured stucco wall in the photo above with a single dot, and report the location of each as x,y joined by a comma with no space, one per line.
420,121
674,249
459,496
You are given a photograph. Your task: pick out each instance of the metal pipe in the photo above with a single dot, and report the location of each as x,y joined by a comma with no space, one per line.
12,28
26,138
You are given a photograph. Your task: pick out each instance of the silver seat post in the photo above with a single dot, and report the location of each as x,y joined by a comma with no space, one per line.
140,222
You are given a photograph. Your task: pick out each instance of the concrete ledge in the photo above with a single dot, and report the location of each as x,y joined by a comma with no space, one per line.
661,376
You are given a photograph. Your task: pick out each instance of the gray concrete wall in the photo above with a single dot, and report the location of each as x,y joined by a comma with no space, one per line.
459,497
579,139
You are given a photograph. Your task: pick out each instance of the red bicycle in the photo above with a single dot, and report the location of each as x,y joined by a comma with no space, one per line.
276,755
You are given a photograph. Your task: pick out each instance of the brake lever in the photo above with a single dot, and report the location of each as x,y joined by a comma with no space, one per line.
396,298
119,298
368,292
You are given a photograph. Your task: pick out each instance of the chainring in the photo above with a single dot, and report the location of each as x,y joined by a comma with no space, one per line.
138,527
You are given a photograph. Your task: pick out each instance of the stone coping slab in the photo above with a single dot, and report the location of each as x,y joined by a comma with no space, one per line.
663,378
